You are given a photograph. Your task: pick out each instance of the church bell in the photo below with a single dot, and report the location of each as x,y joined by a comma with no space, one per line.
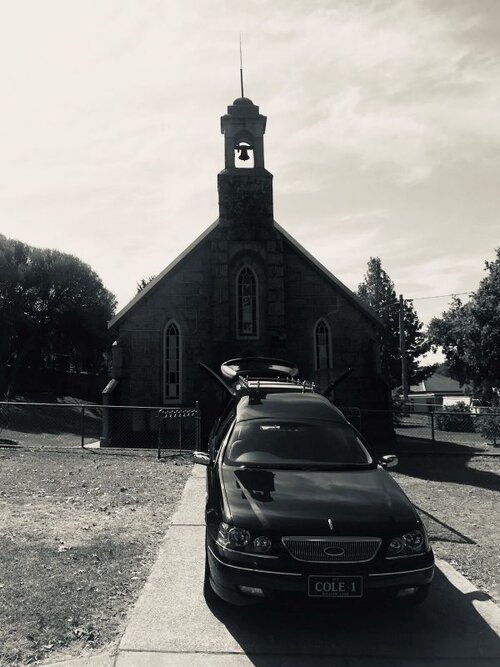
243,150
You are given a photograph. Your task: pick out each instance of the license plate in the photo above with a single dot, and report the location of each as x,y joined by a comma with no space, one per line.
335,587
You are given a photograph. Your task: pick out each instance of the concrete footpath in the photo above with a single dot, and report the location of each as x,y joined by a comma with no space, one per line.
172,625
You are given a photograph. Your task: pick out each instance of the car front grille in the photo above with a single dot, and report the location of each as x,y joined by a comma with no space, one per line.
332,550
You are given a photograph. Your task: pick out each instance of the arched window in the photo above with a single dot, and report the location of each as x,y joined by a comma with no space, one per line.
322,345
172,362
246,304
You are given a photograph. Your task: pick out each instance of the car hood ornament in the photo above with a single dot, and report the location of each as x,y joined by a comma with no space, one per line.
330,524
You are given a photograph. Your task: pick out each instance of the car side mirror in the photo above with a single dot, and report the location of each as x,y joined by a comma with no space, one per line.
389,461
202,458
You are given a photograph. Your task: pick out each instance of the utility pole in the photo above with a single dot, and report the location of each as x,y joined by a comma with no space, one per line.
402,347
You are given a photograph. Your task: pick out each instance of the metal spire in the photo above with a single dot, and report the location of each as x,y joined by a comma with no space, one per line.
241,70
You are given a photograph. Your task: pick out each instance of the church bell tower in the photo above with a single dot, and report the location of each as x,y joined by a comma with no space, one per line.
245,186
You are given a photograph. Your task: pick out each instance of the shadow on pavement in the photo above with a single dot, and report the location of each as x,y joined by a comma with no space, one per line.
446,626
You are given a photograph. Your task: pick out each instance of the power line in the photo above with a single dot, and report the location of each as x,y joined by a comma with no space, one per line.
438,296
419,298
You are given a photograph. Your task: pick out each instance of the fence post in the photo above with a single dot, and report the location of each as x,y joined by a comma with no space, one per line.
160,415
83,428
432,425
180,432
197,427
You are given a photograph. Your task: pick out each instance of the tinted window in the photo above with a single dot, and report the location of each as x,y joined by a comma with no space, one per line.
266,443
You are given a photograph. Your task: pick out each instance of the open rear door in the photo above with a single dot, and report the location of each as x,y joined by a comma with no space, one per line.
231,393
336,382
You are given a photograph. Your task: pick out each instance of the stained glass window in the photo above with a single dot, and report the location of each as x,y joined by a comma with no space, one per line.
172,391
247,303
322,345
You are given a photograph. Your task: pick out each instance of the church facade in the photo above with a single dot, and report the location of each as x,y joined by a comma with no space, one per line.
245,287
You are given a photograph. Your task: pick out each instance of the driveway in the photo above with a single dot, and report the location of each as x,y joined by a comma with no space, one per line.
171,624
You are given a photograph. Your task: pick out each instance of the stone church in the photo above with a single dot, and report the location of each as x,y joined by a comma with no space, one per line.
244,287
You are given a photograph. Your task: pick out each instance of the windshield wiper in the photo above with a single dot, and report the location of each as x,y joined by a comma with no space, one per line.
267,466
337,466
307,467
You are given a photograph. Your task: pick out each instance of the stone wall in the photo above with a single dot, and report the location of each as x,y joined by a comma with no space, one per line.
309,296
200,294
184,297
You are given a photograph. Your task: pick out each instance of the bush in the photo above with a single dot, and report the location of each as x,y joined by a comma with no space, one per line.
400,409
4,416
455,418
489,426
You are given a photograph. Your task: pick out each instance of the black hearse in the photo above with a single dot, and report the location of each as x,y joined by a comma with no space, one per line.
297,502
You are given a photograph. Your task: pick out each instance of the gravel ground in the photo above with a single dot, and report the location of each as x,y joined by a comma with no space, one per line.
458,499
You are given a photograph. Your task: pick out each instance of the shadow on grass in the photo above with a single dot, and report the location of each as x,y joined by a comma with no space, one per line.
448,469
415,445
54,420
456,537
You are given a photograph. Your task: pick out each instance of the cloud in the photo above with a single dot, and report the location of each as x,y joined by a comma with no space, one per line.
383,128
392,84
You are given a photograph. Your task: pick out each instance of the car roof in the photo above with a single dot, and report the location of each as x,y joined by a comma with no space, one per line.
288,406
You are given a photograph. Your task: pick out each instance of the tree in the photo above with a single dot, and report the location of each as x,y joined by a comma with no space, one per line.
469,334
53,310
144,282
378,291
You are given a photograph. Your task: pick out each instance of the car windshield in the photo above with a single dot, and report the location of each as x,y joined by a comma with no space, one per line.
295,444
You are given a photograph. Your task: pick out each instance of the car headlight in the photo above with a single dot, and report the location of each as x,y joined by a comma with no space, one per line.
262,544
408,544
239,539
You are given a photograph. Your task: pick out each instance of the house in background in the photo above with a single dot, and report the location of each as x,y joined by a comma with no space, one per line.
244,287
436,392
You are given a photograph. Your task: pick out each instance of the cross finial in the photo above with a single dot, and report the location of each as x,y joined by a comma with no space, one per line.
241,69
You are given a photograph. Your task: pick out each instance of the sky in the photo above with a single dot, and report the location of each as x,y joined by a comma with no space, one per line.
383,131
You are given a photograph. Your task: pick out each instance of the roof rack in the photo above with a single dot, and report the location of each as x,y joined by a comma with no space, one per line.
246,386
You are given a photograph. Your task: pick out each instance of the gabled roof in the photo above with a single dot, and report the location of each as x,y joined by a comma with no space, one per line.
438,384
151,285
350,296
345,291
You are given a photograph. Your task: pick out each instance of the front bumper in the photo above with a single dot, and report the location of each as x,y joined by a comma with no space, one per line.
227,573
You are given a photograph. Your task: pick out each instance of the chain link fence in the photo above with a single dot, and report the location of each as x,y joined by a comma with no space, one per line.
478,430
60,424
87,425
